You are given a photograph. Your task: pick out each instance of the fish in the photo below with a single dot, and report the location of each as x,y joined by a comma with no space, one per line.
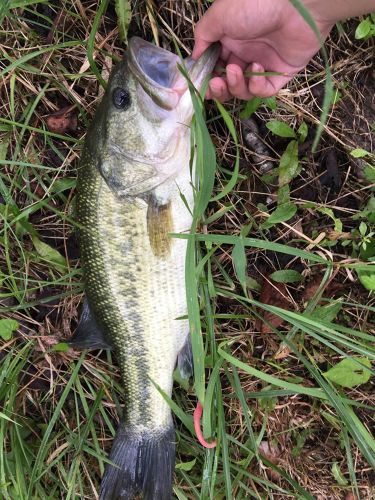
134,188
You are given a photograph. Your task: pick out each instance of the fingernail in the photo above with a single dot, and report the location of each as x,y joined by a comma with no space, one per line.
257,68
215,91
232,78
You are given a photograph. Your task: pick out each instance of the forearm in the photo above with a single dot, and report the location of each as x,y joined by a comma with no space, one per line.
331,11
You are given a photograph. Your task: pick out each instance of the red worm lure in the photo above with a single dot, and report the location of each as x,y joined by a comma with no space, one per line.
197,426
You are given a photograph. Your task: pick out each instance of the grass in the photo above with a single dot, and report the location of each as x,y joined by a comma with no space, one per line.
283,428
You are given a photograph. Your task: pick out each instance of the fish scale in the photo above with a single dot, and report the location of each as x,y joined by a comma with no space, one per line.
134,188
130,288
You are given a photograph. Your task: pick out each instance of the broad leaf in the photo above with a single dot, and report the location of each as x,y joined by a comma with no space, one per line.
369,172
289,165
359,153
124,14
338,475
328,312
283,195
286,276
250,107
330,213
363,29
367,278
187,466
7,327
281,214
50,255
239,262
302,132
61,347
281,129
348,373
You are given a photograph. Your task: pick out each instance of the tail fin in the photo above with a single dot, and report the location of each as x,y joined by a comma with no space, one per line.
145,464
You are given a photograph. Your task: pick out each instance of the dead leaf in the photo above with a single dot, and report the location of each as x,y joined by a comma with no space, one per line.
337,235
274,294
331,177
36,377
283,352
312,287
57,23
330,288
351,496
106,71
272,453
64,120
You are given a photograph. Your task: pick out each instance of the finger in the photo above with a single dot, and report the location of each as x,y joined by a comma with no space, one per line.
199,47
266,86
225,52
207,31
233,59
219,68
208,94
218,89
236,82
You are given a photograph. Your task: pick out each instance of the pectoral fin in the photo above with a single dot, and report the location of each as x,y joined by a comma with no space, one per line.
185,360
88,334
159,224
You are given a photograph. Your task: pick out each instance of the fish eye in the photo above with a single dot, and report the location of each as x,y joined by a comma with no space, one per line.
121,98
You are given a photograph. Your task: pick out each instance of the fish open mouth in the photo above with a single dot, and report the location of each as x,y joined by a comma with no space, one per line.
157,70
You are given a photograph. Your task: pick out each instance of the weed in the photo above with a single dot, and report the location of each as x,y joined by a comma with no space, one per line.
291,409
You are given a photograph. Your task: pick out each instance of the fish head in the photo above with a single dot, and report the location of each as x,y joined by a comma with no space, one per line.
141,129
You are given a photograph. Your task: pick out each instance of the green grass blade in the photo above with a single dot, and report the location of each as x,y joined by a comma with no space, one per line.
328,94
43,448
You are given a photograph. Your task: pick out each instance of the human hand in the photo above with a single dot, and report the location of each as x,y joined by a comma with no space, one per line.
257,36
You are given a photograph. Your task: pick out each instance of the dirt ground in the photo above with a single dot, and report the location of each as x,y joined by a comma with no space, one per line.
299,434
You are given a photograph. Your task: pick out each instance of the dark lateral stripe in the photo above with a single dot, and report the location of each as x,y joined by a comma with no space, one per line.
96,206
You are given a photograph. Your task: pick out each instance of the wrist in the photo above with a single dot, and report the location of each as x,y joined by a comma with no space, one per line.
329,12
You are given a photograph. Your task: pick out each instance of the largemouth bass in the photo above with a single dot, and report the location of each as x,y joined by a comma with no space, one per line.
134,185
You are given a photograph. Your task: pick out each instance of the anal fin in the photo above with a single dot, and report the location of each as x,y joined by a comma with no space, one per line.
88,334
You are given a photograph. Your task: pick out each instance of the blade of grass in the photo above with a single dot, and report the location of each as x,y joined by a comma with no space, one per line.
270,379
254,243
43,449
230,125
22,60
328,91
91,41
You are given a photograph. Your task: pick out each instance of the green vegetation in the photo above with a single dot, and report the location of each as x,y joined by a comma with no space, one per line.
366,28
280,274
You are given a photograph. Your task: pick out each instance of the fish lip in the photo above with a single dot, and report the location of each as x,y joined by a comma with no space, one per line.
136,47
168,96
201,68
